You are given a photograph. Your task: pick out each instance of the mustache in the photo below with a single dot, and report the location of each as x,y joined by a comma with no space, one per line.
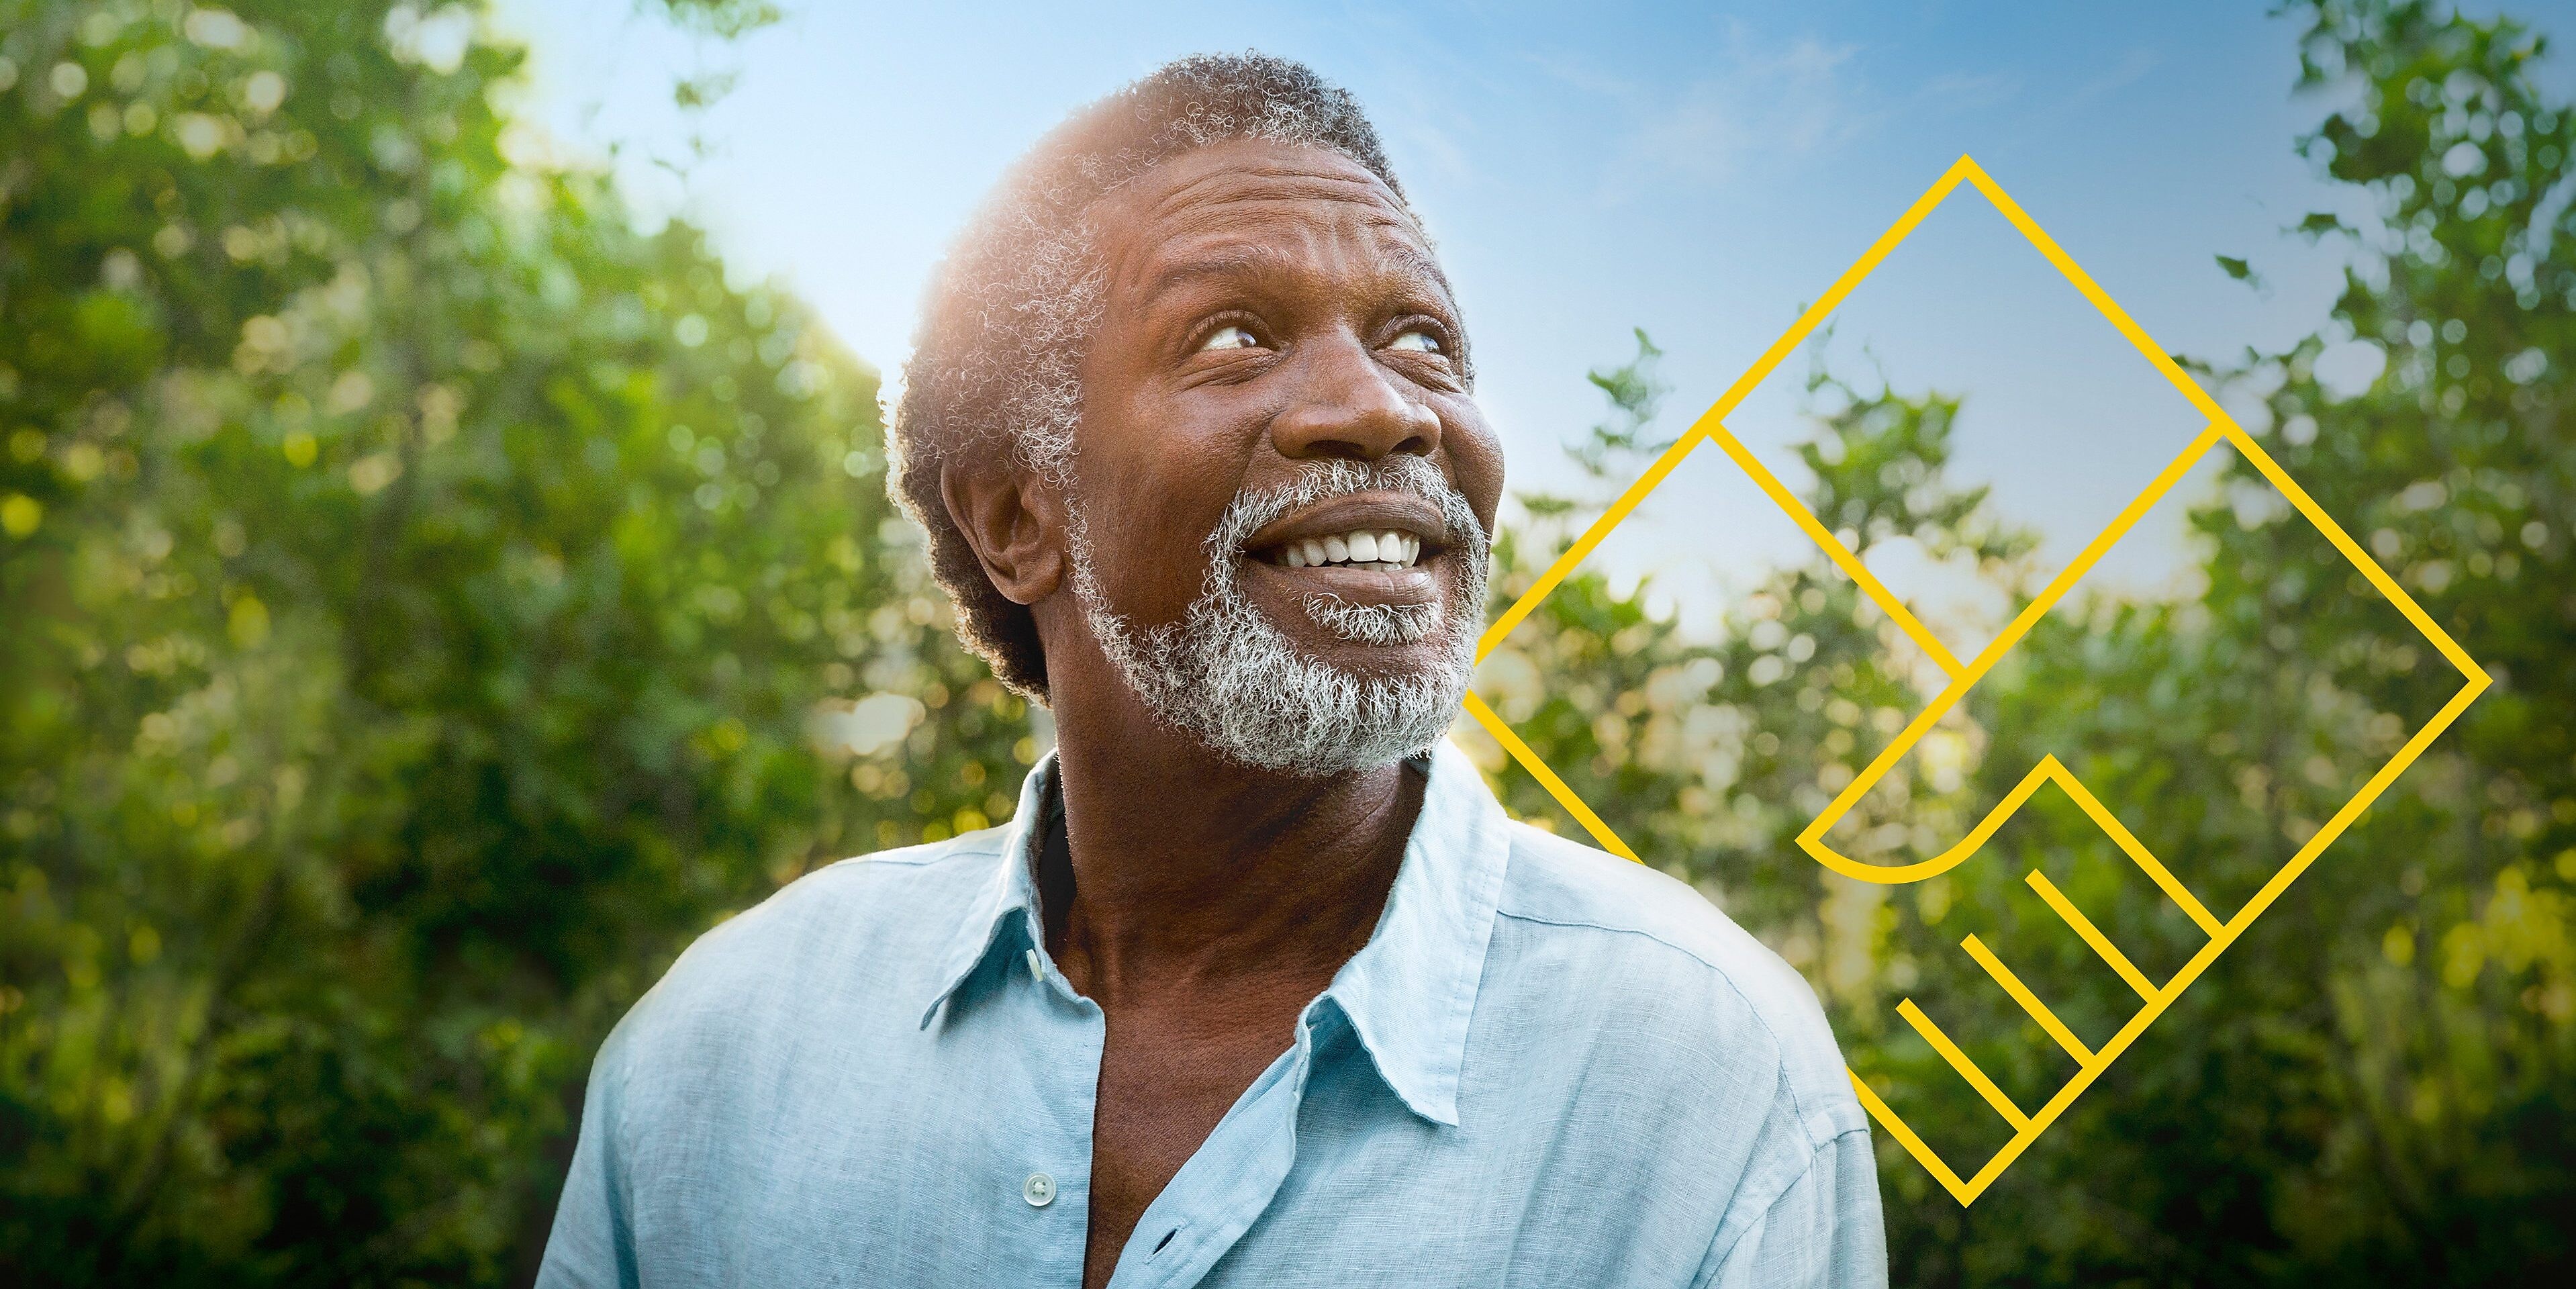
1251,511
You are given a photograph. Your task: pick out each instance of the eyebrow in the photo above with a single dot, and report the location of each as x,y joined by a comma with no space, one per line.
1420,264
1243,263
1253,262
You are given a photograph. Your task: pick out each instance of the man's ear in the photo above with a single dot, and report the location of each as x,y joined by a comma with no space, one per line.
1014,524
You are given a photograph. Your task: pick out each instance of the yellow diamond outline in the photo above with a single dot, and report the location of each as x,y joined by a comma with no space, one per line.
1711,428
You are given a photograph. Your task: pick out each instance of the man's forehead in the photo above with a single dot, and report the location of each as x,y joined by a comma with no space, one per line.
1254,170
1223,203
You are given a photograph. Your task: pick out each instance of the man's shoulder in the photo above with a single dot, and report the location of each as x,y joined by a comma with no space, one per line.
912,892
1653,936
850,933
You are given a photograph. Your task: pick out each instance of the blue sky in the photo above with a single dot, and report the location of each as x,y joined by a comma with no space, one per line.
1698,172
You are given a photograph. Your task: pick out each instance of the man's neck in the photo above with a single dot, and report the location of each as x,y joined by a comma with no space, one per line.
1188,871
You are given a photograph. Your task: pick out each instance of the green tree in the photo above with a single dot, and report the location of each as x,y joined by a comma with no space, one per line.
2385,1088
429,602
2377,1083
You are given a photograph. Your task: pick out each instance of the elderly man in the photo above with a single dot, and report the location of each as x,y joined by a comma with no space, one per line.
1259,986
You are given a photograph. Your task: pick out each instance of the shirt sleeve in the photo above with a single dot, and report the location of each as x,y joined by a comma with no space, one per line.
593,1242
1825,1230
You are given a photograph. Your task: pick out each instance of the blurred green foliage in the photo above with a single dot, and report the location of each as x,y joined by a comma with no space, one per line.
432,600
420,586
2377,1084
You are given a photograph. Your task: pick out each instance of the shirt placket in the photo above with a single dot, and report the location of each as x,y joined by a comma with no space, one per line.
1228,1183
1051,1194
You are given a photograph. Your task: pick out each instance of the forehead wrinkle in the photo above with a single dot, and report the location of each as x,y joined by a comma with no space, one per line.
1219,197
1275,181
1387,264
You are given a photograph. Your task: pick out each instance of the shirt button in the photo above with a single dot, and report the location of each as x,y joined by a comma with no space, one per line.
1038,1190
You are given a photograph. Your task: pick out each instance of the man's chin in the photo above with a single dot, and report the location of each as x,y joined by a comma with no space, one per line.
1425,661
1372,648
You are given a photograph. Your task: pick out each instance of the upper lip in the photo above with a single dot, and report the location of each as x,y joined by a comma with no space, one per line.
1373,512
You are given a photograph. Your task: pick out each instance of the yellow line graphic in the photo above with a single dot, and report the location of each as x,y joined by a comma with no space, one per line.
1511,741
1963,676
1959,1061
2029,1001
2074,917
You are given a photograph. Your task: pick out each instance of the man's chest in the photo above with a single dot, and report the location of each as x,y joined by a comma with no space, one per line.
984,1153
1167,1079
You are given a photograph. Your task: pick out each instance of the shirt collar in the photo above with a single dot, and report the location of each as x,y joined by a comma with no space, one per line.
1411,990
1013,888
1409,993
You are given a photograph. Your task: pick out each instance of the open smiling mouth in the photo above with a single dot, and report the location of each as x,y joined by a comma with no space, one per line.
1384,549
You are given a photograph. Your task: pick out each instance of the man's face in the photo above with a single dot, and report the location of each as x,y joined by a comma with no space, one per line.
1278,376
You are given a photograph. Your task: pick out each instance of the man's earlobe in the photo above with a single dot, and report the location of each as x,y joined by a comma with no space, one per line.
1014,525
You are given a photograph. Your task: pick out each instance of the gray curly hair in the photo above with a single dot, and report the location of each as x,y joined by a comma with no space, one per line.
996,363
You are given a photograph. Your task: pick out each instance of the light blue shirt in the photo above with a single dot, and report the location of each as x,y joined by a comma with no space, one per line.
1547,1067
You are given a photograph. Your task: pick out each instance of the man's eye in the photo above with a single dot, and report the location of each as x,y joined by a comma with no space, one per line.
1417,341
1230,338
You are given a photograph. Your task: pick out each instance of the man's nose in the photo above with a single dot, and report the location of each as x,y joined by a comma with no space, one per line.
1351,407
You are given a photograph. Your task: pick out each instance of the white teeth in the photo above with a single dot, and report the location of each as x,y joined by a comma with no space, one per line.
1386,550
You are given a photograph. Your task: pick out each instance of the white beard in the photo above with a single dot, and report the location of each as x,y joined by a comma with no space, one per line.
1228,676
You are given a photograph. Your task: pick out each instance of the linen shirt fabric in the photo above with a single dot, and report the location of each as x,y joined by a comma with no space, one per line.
1548,1066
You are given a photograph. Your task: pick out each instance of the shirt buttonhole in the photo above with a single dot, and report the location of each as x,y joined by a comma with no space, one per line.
1161,1244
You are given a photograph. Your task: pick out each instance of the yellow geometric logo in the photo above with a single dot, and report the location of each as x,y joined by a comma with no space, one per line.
2155,997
